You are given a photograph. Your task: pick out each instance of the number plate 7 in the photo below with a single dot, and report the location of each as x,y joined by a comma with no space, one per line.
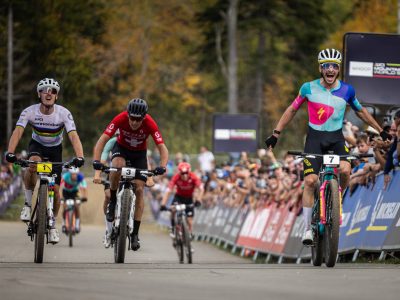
330,159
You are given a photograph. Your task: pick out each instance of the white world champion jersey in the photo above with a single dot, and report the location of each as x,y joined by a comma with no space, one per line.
47,129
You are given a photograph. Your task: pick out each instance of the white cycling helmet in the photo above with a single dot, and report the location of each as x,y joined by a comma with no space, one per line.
329,55
74,170
48,82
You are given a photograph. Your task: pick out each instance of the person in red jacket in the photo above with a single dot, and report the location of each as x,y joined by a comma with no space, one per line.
185,184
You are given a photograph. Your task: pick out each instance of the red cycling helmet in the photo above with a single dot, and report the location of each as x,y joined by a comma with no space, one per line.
184,167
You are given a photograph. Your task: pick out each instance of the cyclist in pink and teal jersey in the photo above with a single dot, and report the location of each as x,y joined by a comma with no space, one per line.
327,99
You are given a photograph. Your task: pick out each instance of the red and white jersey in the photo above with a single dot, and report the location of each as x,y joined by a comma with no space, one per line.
134,139
185,188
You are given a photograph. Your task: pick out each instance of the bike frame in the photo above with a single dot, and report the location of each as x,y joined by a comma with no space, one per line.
328,173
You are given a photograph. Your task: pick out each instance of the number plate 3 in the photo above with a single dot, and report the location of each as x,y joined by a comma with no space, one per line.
128,172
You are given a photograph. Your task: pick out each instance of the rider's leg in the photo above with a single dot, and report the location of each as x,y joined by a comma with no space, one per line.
139,206
107,197
117,162
190,222
30,179
56,202
310,182
345,170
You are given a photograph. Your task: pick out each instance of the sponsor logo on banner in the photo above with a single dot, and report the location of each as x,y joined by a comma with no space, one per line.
235,134
360,216
272,227
382,211
258,226
359,68
345,218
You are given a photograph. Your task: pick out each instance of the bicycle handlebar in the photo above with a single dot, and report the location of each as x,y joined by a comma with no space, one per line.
134,171
25,163
348,156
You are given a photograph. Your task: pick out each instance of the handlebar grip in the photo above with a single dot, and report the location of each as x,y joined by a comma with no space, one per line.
291,152
365,155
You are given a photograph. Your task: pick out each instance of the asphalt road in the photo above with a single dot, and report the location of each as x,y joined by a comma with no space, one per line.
87,271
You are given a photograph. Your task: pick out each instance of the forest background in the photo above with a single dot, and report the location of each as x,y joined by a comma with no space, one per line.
174,54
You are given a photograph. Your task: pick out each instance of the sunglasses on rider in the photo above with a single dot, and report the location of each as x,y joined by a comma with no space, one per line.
184,173
326,66
136,119
48,90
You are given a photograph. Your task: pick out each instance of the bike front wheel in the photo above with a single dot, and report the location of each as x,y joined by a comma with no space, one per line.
331,234
187,241
122,232
70,227
40,223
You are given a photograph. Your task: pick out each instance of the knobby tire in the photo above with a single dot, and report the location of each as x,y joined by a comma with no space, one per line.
70,227
120,245
187,242
179,242
40,223
331,234
317,248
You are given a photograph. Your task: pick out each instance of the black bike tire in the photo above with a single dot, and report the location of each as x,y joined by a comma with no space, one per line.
70,229
331,234
179,242
187,242
122,235
40,223
317,248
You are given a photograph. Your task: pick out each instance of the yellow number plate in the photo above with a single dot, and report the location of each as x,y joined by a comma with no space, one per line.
44,168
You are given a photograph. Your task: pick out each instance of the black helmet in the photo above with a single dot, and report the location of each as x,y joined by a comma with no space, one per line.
137,108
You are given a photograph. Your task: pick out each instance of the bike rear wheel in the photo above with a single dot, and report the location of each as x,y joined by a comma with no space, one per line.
40,223
331,234
317,248
187,242
122,233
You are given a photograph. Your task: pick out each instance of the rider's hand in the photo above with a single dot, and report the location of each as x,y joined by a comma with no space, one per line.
159,170
163,208
11,157
84,199
385,136
197,203
97,165
78,162
271,141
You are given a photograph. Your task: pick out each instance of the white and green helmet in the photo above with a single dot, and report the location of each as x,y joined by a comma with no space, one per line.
329,55
48,82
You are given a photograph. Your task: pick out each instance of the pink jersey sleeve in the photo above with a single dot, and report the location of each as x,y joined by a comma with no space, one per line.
114,125
298,102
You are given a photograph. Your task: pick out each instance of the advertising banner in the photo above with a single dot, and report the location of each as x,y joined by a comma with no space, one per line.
347,244
283,234
385,206
375,74
234,215
293,244
235,133
392,241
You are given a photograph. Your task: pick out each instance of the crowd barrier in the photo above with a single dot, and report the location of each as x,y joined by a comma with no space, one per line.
8,195
371,222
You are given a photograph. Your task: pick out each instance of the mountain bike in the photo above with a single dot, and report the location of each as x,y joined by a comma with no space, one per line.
69,215
124,209
182,239
42,218
327,208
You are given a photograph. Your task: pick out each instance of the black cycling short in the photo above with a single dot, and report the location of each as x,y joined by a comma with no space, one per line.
52,154
320,142
69,194
183,200
134,159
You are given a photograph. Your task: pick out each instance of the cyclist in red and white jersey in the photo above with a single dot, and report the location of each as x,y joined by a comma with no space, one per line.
326,98
135,126
185,182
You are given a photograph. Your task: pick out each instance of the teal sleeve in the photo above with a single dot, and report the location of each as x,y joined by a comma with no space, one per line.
83,184
305,90
107,148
